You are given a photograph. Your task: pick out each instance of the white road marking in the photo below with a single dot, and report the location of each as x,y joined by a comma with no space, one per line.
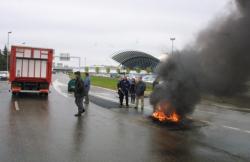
247,131
227,107
227,127
17,106
236,129
209,112
59,83
56,85
233,128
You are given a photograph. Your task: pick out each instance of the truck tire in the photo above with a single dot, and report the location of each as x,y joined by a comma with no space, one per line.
44,95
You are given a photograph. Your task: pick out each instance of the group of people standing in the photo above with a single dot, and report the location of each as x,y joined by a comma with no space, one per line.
135,88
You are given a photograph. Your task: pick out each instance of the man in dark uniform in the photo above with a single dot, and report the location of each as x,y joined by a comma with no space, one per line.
123,89
120,92
79,93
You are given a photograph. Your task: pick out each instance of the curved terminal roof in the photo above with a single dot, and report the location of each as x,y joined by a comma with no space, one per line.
135,59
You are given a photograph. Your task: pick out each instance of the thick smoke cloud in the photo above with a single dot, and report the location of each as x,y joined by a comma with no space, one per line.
218,63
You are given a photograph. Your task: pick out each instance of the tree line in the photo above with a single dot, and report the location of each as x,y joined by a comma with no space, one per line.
3,59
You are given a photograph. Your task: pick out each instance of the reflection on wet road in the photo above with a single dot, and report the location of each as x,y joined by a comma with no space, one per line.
45,130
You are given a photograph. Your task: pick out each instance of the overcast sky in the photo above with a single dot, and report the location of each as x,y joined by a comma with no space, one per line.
96,29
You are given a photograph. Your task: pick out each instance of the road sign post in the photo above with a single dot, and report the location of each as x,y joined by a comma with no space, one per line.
64,57
67,57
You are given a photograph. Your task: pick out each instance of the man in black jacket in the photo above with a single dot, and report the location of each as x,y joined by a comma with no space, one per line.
79,93
123,89
140,88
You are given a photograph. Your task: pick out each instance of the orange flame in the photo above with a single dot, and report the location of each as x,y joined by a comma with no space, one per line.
160,114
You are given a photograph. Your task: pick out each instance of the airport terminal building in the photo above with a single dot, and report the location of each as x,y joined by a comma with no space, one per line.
136,59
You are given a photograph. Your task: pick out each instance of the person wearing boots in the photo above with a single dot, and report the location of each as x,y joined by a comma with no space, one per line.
79,93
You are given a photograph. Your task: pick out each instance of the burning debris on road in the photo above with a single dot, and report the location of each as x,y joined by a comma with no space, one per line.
218,63
165,112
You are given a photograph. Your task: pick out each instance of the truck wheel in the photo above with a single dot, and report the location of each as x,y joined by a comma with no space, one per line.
44,95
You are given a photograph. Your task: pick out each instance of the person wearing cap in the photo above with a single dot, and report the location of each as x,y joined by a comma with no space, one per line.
79,93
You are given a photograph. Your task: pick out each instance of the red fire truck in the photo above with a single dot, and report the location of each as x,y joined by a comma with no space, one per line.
30,69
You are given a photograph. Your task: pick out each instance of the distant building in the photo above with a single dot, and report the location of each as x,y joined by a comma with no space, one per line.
136,59
102,69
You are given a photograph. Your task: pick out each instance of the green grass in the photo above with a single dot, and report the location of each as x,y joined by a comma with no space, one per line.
104,82
110,83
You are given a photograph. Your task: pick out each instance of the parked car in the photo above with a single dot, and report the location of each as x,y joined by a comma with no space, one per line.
4,75
149,78
114,75
53,72
131,76
71,85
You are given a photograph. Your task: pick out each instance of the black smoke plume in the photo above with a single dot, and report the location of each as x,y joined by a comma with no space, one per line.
218,63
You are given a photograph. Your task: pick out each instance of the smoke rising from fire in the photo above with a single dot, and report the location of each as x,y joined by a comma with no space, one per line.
218,63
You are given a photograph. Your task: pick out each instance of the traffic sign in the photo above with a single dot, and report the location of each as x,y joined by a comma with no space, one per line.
64,57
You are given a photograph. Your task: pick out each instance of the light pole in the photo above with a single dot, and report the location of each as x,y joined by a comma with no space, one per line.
172,39
8,41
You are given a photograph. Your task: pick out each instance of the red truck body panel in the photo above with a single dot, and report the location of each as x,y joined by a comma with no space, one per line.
29,65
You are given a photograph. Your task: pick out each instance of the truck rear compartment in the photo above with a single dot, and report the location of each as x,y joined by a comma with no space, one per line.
30,69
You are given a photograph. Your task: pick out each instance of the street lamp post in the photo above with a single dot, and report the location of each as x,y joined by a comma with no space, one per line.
8,41
172,39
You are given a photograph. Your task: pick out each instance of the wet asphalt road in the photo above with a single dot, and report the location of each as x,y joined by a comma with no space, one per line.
39,129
